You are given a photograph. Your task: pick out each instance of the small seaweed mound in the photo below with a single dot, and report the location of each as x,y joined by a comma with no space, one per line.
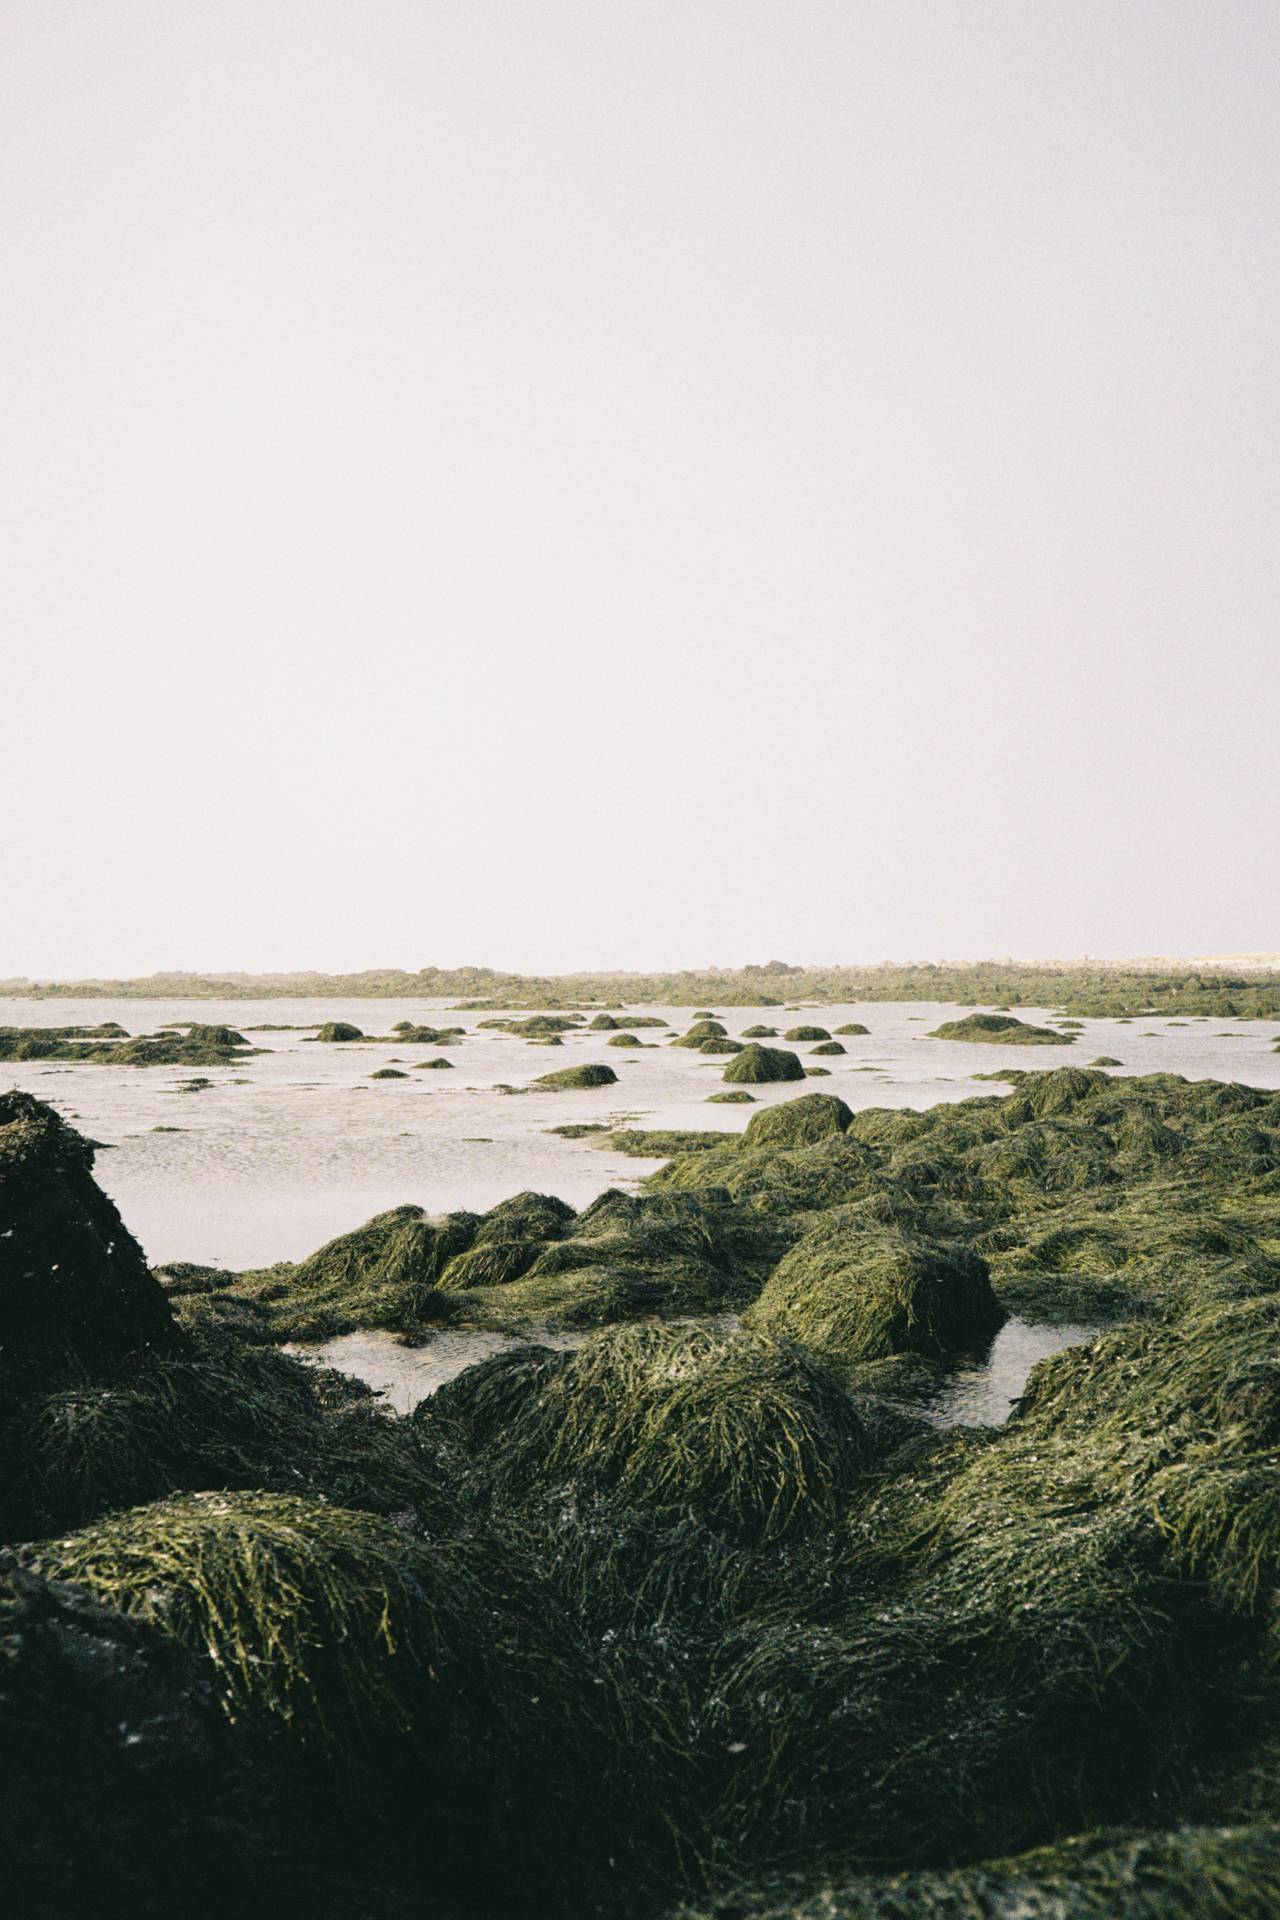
336,1031
1001,1028
854,1291
854,1027
829,1046
798,1123
329,1623
806,1033
624,1040
759,1033
603,1023
748,1434
75,1291
1106,1060
738,1097
700,1030
388,1073
592,1074
756,1064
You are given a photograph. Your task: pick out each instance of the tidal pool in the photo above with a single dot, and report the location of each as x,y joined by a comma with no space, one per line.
980,1394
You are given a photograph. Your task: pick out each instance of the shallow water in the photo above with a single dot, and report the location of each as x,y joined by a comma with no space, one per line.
283,1151
406,1375
983,1394
978,1395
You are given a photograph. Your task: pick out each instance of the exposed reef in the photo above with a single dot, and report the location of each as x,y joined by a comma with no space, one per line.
707,1619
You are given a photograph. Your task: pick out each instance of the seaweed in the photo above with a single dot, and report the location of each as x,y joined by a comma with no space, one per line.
807,1033
591,1074
756,1064
1001,1028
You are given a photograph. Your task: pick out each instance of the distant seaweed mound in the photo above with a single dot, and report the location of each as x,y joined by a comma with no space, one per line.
196,1046
592,1073
1001,1027
756,1064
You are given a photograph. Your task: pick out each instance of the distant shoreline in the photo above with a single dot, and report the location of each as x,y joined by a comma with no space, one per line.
1248,987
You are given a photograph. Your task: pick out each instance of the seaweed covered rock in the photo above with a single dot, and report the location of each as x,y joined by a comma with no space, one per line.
1002,1028
797,1123
442,1681
749,1434
625,1255
75,1291
592,1073
378,1275
624,1040
756,1064
337,1031
111,1754
853,1291
699,1032
829,1047
795,1034
759,1033
852,1027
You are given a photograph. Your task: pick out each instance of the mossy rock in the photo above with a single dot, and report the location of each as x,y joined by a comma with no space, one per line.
1106,1060
388,1073
759,1033
591,1074
852,1027
737,1097
828,1047
796,1034
337,1031
723,1045
434,1066
624,1040
699,1032
817,1073
756,1064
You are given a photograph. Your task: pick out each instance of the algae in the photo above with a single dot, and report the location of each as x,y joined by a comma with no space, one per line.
756,1064
591,1074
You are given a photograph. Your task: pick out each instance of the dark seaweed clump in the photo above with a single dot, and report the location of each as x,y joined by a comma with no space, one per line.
702,1619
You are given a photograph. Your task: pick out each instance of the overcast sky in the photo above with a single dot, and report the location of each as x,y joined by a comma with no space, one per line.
615,483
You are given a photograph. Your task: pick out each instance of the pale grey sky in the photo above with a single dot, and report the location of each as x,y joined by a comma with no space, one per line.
635,483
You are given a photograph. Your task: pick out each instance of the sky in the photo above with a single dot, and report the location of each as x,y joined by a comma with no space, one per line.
637,485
